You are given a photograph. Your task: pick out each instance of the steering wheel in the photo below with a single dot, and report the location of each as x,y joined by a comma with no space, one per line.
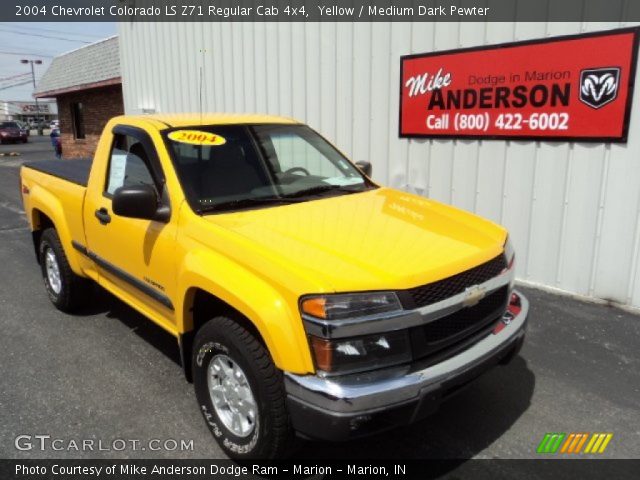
297,169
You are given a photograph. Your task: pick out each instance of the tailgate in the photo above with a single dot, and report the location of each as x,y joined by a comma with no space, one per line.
58,199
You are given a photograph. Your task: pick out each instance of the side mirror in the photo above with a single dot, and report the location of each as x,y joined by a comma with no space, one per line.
138,201
365,167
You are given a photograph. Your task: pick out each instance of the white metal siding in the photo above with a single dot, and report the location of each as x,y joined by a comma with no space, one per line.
572,208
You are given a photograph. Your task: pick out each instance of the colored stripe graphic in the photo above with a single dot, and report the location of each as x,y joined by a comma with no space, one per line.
543,444
598,443
604,445
573,443
581,442
551,442
565,447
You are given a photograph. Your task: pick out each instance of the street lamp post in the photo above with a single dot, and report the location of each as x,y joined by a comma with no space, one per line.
33,78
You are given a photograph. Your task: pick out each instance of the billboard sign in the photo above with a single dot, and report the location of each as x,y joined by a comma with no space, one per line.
31,108
575,87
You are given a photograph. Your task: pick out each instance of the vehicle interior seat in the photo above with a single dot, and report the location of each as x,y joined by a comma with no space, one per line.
229,172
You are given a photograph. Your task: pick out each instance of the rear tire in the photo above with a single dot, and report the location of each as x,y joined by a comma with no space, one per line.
67,291
240,392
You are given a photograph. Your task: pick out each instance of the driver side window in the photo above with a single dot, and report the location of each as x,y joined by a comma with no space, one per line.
128,164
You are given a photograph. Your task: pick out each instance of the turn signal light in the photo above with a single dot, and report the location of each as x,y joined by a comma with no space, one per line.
358,354
323,353
315,307
340,306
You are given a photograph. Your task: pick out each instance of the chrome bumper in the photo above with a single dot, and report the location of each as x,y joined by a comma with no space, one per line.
356,395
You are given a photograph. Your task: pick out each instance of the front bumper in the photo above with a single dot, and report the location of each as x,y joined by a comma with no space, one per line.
340,408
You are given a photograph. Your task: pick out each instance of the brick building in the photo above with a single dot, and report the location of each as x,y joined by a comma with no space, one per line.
87,86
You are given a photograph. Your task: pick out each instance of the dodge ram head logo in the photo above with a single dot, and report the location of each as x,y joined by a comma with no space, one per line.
599,86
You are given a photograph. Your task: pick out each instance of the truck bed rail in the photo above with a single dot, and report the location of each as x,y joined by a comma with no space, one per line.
75,171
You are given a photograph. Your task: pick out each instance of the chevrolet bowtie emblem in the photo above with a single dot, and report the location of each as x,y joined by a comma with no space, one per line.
473,295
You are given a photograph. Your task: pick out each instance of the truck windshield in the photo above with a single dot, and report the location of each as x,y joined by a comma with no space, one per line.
233,167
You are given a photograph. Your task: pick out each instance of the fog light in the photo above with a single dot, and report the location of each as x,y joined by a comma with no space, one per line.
513,309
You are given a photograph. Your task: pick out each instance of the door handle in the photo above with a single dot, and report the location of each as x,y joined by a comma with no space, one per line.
102,214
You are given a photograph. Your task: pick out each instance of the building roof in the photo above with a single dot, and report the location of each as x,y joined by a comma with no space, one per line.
194,119
92,66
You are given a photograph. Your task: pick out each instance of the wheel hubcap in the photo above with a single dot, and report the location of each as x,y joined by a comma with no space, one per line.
53,271
231,395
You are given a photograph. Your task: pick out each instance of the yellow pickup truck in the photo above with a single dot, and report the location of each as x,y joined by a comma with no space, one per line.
305,298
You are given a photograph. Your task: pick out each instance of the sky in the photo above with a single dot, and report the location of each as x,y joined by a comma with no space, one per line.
42,41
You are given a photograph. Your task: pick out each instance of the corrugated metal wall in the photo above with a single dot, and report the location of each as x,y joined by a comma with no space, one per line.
573,209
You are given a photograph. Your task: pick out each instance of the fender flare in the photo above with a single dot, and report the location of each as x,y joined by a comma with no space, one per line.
268,311
43,201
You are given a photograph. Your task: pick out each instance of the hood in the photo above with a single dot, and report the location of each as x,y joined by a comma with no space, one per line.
374,240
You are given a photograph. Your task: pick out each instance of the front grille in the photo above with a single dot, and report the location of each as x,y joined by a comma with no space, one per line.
442,289
448,332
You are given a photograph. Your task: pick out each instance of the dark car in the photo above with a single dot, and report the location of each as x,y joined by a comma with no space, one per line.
10,132
24,127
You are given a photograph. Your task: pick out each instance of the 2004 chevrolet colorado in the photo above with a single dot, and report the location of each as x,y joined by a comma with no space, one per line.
304,297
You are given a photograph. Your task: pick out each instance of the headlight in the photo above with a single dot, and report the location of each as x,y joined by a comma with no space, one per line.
350,355
350,305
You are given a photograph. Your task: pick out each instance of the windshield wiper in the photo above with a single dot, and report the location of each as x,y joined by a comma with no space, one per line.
290,198
242,203
322,189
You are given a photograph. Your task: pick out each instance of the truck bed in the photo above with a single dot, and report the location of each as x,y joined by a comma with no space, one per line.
75,171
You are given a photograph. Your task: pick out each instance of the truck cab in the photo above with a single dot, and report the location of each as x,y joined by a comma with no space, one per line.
306,299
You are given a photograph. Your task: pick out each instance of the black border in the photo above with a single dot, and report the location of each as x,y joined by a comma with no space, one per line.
601,33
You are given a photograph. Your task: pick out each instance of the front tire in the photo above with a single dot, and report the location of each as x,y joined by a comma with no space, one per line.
67,291
240,391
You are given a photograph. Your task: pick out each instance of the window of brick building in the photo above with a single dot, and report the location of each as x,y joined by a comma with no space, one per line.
77,119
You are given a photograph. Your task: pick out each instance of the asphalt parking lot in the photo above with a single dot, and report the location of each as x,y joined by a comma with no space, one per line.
110,374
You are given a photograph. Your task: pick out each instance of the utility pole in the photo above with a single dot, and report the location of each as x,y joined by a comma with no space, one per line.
33,78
